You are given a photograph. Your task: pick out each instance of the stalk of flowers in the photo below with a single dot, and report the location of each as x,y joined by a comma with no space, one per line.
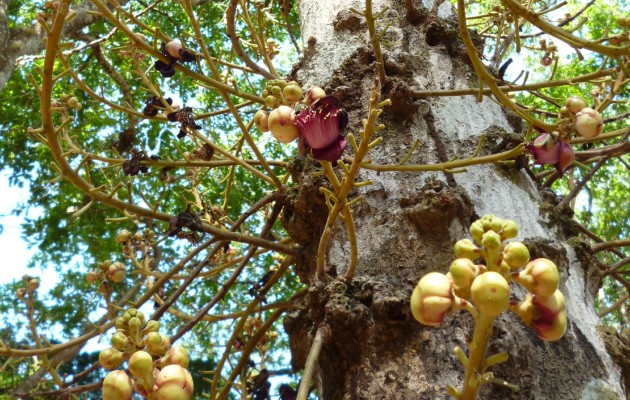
484,291
318,124
573,118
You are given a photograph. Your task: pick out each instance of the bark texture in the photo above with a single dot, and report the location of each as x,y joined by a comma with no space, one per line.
408,222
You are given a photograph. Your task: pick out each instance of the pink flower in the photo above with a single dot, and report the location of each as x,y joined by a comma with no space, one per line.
320,127
547,150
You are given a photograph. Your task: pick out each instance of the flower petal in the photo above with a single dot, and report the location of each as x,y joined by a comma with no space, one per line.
332,152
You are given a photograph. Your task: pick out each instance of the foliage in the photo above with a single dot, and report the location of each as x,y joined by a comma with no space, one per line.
200,189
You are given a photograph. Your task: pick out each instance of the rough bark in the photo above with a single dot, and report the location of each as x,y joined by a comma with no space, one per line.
408,222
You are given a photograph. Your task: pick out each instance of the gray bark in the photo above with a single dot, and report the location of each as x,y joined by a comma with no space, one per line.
29,40
408,222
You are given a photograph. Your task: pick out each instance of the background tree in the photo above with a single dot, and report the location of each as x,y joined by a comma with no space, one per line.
149,156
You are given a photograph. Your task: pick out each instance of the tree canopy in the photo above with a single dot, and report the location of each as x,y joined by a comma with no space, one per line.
164,142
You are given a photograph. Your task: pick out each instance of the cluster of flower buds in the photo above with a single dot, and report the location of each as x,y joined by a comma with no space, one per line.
162,379
587,122
66,101
486,287
155,366
32,284
107,273
574,117
543,308
142,242
318,121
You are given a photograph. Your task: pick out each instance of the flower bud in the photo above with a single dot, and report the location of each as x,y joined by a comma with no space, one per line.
490,293
496,223
491,240
465,248
174,49
174,383
120,323
92,276
261,120
313,94
117,386
540,277
176,355
134,323
292,92
116,272
105,265
141,364
509,230
516,255
282,124
588,123
33,284
477,231
271,101
552,321
20,293
123,236
152,326
119,341
110,358
431,299
575,104
462,273
153,342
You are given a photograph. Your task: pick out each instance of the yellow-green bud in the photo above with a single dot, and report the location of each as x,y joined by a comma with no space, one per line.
431,299
117,386
462,273
540,277
261,120
116,272
491,293
141,364
282,124
110,358
271,101
176,355
292,92
123,236
575,104
588,123
465,248
516,255
119,341
477,231
509,230
313,94
491,240
152,326
174,383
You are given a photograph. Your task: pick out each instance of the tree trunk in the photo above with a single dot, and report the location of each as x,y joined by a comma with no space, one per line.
408,222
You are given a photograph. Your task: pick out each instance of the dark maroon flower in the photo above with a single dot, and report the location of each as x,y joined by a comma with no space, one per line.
175,52
547,150
320,127
186,118
153,104
332,152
